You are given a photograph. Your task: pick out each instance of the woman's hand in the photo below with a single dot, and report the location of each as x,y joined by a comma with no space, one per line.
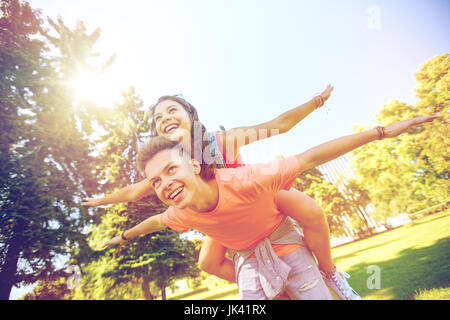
327,92
395,129
92,202
114,241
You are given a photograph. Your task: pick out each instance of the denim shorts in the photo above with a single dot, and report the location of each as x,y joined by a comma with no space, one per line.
304,281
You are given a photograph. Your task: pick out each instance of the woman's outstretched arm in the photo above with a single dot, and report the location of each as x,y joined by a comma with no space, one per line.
130,193
233,139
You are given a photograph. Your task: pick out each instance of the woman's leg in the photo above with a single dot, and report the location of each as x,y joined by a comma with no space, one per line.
305,281
213,261
311,218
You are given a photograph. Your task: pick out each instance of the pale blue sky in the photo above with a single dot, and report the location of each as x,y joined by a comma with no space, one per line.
242,62
245,62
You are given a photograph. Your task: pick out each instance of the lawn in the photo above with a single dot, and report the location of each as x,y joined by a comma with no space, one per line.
414,261
410,262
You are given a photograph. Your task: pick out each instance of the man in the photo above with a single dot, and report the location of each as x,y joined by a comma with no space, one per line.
237,208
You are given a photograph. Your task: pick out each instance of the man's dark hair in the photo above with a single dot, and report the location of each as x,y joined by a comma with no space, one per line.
157,144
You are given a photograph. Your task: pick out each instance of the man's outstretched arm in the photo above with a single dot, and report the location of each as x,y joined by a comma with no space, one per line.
153,224
335,148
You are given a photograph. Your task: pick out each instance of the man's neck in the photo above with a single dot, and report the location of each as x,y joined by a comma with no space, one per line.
207,196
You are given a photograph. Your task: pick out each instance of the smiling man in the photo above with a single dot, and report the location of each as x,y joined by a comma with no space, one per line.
176,177
237,207
223,206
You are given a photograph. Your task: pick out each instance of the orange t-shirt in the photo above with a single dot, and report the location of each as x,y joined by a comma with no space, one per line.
246,211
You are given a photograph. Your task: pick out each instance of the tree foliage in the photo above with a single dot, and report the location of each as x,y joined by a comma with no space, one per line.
410,172
54,288
336,208
45,166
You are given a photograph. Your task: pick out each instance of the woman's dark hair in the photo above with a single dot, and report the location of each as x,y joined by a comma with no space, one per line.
207,168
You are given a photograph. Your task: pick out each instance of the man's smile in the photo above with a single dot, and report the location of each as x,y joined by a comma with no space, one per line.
175,194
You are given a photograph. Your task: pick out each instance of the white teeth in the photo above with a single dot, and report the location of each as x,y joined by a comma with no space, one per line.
176,192
170,128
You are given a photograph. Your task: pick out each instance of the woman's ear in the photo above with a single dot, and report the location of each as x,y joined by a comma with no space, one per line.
196,165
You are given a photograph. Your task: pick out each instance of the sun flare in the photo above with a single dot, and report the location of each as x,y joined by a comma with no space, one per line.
94,87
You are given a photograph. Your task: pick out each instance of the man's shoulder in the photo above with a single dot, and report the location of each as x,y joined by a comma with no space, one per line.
259,171
245,174
260,168
173,211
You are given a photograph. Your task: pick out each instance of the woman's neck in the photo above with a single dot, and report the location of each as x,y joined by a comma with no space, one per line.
185,140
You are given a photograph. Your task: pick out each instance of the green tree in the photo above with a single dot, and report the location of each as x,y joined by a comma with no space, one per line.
20,78
410,172
54,288
45,167
429,148
337,209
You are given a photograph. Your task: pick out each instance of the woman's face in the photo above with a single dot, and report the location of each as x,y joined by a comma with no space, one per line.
172,121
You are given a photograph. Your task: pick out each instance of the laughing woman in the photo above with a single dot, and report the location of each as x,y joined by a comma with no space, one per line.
176,119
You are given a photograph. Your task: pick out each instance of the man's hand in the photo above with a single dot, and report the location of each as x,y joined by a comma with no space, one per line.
395,129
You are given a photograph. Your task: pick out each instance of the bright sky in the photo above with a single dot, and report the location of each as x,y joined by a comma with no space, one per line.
243,62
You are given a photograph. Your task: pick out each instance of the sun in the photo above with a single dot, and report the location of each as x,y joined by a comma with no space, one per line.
94,87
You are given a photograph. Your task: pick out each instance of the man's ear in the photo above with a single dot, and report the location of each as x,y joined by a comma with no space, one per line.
196,165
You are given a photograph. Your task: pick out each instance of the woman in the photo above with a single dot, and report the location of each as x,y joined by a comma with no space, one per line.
176,119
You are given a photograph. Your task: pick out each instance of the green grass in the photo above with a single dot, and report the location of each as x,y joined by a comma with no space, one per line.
413,263
224,292
412,259
433,294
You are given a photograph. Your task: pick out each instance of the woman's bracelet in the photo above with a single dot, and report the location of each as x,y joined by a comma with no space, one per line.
381,132
123,236
319,101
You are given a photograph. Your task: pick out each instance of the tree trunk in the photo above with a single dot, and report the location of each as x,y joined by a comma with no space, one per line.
163,293
9,269
146,288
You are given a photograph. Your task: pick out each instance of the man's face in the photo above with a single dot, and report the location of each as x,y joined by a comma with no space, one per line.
174,176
